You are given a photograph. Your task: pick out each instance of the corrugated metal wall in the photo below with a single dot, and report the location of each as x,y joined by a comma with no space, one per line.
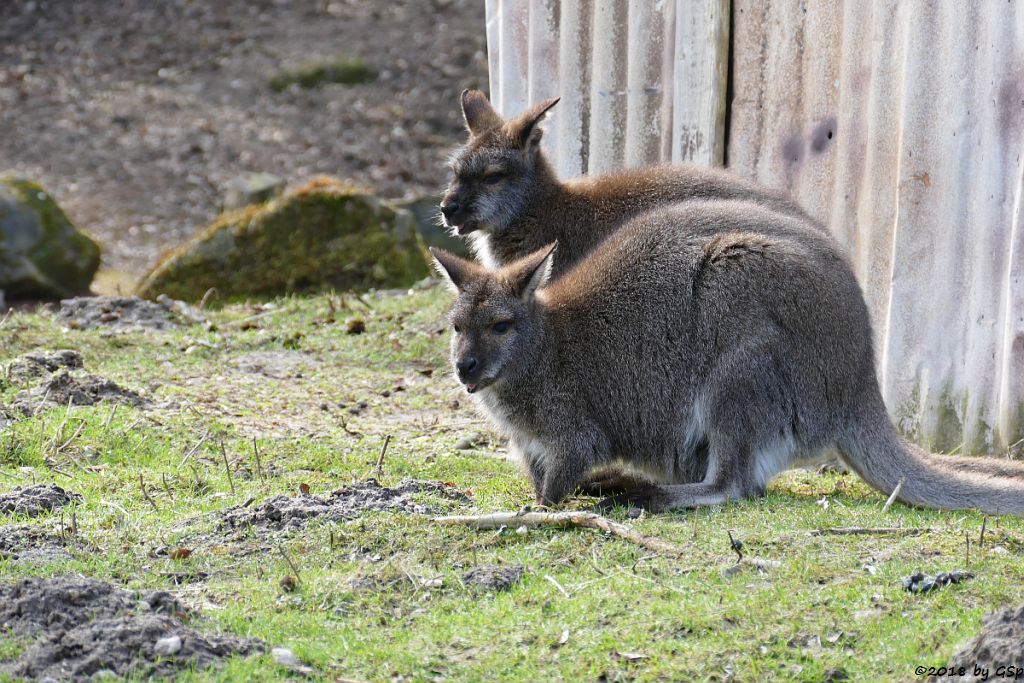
898,123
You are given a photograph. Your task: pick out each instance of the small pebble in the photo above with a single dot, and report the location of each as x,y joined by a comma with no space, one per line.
284,657
523,530
169,646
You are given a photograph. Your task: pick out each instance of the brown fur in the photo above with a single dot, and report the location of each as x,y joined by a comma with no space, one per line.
509,199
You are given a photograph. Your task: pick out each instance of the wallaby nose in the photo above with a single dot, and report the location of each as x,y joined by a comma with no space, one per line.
450,208
466,366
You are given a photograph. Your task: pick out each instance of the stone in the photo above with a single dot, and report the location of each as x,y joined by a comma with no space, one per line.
427,213
168,647
42,255
252,188
284,657
325,235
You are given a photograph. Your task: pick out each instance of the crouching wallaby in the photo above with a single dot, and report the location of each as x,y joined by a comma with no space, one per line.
707,359
504,193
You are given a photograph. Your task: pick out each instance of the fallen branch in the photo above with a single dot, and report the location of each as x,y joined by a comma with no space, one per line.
871,531
589,520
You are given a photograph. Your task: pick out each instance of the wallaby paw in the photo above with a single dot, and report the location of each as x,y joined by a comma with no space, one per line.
649,498
608,481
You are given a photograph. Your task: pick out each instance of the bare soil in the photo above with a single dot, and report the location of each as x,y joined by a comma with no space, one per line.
135,114
1000,643
32,544
288,513
118,313
83,628
494,577
63,388
36,500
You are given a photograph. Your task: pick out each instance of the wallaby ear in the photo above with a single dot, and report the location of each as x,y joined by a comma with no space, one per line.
530,273
479,114
525,127
455,270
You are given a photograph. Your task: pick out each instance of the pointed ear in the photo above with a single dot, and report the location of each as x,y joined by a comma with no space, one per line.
479,114
455,270
525,128
530,273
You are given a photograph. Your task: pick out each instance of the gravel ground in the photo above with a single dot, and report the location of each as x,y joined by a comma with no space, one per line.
135,114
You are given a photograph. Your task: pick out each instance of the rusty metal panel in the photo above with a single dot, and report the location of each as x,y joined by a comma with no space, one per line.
641,81
899,123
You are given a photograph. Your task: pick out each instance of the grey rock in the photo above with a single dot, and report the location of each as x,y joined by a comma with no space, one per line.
426,212
168,646
252,188
42,255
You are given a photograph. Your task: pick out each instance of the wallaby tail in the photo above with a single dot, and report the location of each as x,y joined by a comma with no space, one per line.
875,450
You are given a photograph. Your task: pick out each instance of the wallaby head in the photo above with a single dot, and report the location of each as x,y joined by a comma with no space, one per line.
494,173
494,320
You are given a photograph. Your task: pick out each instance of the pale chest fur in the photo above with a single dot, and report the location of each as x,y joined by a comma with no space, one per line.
526,444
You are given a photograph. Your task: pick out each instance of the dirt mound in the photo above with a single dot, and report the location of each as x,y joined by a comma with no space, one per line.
85,627
125,313
38,363
6,418
292,512
492,577
283,364
999,644
23,543
63,388
34,500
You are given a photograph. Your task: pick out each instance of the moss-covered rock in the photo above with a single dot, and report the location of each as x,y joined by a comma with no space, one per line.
428,220
42,255
325,234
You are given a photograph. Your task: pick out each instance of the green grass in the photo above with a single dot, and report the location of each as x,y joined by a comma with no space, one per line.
346,71
835,603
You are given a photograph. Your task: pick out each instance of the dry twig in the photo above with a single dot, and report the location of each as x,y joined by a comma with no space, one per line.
871,531
379,467
145,493
892,496
227,467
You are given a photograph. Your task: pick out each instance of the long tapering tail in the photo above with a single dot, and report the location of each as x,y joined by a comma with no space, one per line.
875,450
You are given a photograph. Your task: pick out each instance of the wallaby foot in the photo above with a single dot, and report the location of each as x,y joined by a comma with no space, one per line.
655,498
607,481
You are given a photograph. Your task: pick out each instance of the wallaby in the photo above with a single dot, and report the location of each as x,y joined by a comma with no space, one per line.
707,358
506,196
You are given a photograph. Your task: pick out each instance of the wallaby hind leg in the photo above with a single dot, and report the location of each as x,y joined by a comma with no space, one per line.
606,481
660,498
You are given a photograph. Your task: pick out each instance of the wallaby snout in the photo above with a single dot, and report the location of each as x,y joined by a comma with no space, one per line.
467,367
456,209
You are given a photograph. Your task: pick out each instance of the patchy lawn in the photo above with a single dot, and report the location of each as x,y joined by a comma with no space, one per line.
241,485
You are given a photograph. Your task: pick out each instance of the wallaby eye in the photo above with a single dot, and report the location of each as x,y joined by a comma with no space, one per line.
501,327
493,178
457,329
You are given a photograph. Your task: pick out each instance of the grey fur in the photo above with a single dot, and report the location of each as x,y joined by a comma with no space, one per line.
707,345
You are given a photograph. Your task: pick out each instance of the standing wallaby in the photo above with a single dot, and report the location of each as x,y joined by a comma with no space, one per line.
707,358
505,194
